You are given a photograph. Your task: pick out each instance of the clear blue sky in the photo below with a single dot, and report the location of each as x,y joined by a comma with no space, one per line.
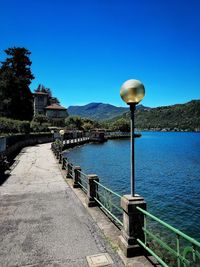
84,50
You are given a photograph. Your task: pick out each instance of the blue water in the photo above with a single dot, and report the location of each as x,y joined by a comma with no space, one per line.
167,173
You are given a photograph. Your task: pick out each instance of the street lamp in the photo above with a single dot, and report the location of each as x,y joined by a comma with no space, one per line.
62,132
132,92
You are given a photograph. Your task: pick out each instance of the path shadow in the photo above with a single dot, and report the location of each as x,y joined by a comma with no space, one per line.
4,177
13,161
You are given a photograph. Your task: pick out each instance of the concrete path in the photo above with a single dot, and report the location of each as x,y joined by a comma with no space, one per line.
42,222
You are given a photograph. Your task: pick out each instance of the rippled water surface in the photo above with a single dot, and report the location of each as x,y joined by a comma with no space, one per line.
167,173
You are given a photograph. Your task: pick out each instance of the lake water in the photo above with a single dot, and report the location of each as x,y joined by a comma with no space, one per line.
167,173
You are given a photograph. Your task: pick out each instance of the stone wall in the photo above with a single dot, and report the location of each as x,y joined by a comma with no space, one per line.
16,142
2,144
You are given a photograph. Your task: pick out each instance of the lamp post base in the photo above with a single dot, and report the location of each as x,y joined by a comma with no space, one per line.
130,250
133,222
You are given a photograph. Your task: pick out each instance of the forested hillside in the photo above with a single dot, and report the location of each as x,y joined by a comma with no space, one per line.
98,111
178,117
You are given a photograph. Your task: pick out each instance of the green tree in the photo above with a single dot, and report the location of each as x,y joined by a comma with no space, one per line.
15,78
51,99
78,123
42,88
121,125
89,124
74,122
40,118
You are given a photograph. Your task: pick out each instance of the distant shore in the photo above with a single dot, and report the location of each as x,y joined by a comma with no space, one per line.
168,130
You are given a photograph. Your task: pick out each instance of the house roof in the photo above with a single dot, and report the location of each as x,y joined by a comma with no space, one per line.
40,93
55,106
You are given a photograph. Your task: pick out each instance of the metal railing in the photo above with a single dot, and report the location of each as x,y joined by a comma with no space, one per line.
70,170
75,140
65,163
83,181
105,197
109,201
168,254
183,255
117,133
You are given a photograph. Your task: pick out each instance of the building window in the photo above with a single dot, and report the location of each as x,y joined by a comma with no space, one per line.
40,99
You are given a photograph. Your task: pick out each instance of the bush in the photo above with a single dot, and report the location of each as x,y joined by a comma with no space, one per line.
14,126
10,126
24,127
40,118
39,127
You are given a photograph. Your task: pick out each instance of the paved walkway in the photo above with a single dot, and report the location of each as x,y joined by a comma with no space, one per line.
42,222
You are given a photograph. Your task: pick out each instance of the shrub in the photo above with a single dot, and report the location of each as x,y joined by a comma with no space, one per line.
39,127
24,127
40,118
14,126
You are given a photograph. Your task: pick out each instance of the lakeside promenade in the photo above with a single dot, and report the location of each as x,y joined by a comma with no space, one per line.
42,222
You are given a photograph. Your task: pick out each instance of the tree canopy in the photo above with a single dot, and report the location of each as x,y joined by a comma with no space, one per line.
78,123
15,77
51,99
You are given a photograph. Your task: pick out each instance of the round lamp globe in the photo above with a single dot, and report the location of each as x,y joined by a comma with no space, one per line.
62,132
132,91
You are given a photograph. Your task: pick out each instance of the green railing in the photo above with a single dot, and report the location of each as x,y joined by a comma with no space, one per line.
168,251
64,163
180,255
109,201
106,198
70,170
83,181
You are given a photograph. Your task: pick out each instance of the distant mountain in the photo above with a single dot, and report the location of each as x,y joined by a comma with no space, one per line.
177,117
98,111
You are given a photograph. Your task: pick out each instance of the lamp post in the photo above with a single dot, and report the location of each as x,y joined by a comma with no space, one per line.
132,92
62,132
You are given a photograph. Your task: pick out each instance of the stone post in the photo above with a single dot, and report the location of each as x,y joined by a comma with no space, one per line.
92,188
77,174
133,221
60,157
68,170
63,163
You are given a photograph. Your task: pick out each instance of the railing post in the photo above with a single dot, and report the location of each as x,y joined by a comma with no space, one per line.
133,222
64,163
57,154
60,157
68,170
77,174
92,189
